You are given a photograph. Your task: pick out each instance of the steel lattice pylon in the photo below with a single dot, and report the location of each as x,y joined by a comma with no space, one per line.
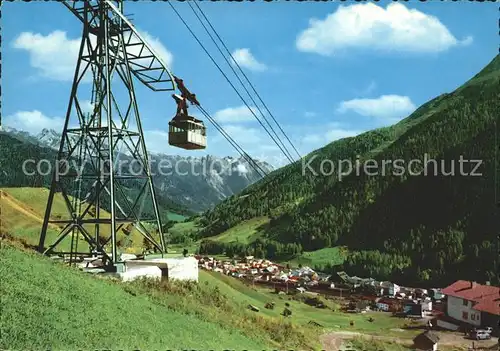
102,170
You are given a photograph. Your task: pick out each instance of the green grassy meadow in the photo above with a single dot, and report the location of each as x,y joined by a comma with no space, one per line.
47,305
302,313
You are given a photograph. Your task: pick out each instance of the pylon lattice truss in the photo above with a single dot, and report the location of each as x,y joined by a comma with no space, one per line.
102,171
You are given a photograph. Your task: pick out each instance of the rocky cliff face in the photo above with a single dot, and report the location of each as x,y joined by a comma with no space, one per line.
202,182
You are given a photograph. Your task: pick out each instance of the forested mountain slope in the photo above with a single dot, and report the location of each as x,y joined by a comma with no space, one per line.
432,227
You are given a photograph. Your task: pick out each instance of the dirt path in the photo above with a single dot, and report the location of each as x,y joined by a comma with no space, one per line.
330,342
333,341
19,206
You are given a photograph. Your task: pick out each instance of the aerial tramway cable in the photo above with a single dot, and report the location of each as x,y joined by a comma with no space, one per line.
309,176
233,143
244,75
288,155
225,76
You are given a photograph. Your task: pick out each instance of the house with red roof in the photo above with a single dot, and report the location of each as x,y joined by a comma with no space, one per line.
473,303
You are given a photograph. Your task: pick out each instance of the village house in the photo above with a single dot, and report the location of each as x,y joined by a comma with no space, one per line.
388,305
421,293
408,293
369,290
426,341
473,303
359,305
340,277
324,277
417,307
390,289
436,294
371,282
355,281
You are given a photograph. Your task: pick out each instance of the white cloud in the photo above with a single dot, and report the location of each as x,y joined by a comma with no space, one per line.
313,139
245,59
236,114
157,141
156,45
87,106
55,55
33,121
395,28
310,114
243,135
389,107
335,134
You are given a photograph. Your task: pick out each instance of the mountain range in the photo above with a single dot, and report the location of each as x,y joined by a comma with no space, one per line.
196,183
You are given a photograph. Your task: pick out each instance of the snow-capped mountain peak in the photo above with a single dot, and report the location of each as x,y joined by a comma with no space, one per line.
195,182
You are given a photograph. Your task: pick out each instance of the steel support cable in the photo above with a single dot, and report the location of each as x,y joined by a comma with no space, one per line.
289,156
225,76
246,78
262,173
233,143
243,154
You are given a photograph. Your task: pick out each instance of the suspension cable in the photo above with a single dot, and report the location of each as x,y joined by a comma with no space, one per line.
244,75
261,172
309,177
225,76
289,156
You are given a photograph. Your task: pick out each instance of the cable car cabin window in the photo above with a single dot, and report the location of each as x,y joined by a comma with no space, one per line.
187,134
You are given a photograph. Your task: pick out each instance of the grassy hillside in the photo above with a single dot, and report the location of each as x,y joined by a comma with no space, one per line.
427,228
23,210
244,232
302,313
46,305
332,256
23,222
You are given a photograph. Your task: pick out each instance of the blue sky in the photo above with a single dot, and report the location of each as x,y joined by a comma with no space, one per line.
325,70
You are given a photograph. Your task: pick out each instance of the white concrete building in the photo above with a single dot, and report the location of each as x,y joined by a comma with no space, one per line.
473,303
181,268
150,272
462,310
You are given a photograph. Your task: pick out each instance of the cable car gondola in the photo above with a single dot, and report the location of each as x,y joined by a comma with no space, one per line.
186,132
